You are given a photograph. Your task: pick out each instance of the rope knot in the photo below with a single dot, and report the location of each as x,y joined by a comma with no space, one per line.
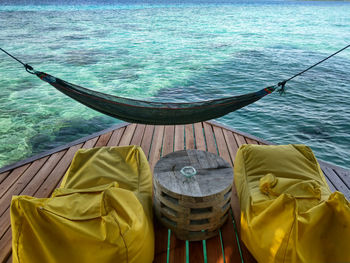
282,90
29,69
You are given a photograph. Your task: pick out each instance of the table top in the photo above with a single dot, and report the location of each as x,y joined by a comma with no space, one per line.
213,174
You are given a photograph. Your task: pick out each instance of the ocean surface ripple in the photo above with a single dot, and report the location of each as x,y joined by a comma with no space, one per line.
178,52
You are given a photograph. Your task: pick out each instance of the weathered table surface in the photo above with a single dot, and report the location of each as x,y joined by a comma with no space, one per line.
213,174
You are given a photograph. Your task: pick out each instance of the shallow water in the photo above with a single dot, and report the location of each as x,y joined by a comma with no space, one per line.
178,52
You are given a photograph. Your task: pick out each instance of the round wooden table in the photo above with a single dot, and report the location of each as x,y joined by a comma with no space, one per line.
192,193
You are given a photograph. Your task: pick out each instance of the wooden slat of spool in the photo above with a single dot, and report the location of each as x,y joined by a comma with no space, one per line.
194,208
177,213
179,203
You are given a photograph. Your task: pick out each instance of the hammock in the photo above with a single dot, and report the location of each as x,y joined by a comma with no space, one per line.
156,113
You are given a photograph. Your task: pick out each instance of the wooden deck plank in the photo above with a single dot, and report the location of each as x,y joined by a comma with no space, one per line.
161,242
247,256
221,144
251,141
32,187
127,135
156,149
236,209
214,252
147,139
168,141
177,250
160,258
90,143
21,183
209,138
231,249
138,135
36,181
189,137
243,134
336,181
179,141
12,178
196,251
239,139
3,176
16,189
343,175
5,245
116,136
5,222
103,139
55,176
44,172
330,184
199,136
231,144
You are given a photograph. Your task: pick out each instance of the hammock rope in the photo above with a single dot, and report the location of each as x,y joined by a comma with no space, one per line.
28,68
283,83
158,113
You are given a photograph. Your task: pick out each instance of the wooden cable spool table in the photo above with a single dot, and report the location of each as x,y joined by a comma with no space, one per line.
192,193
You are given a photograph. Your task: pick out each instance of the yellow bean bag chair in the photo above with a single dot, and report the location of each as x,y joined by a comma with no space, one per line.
102,212
288,213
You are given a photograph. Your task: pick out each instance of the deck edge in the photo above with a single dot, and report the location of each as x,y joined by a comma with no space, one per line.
247,135
334,166
124,124
60,148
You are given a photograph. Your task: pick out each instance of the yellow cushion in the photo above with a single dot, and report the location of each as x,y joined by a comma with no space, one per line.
101,213
288,213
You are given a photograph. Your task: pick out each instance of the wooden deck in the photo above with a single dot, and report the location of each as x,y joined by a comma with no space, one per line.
40,175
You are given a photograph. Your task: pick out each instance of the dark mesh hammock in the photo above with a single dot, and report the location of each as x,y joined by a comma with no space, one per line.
145,112
156,113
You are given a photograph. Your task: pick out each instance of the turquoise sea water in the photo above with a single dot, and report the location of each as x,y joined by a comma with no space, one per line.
173,51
